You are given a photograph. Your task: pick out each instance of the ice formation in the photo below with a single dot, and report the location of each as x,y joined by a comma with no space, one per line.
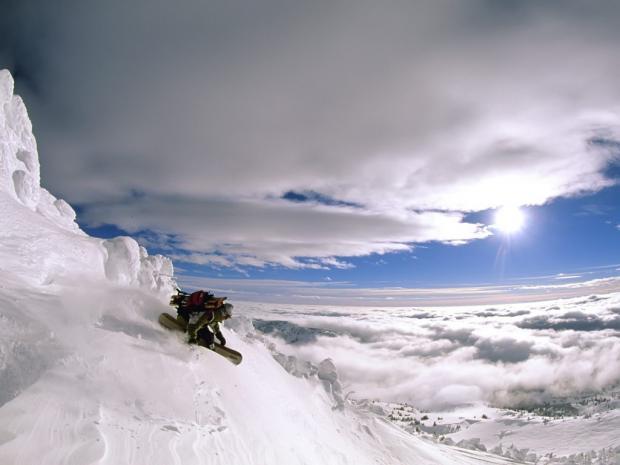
20,171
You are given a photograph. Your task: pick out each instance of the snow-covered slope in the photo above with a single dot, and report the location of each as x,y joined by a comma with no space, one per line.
88,376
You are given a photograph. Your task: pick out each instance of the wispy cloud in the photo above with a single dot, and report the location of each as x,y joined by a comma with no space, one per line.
603,283
562,276
596,210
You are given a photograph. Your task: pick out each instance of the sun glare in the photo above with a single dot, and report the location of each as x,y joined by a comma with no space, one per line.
509,219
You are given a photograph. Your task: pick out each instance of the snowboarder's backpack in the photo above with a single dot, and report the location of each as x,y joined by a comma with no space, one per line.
196,299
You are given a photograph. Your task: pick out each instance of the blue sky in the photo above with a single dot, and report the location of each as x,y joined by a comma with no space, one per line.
324,145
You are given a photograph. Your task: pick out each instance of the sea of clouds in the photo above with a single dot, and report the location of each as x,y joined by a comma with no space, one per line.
509,355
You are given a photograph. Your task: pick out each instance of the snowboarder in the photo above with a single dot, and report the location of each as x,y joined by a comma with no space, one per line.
208,325
200,314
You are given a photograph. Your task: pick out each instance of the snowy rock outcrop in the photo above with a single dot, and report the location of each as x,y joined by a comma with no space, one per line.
47,243
128,263
325,372
20,171
329,376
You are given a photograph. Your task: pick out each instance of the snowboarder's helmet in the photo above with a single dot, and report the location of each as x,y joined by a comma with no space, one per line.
226,310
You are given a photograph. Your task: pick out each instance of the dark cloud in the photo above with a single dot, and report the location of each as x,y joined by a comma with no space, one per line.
592,298
464,336
517,313
22,48
576,321
421,316
505,350
487,313
290,332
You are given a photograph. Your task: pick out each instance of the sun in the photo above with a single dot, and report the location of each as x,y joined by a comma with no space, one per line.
509,219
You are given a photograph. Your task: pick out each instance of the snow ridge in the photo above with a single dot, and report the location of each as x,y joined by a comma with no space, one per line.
56,248
20,171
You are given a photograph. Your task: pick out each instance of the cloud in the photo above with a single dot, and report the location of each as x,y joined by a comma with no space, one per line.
595,210
382,353
487,313
505,350
517,313
421,316
576,321
425,107
463,336
262,232
291,333
562,276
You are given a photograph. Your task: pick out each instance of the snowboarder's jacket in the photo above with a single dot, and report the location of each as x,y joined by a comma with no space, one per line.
207,326
201,313
197,301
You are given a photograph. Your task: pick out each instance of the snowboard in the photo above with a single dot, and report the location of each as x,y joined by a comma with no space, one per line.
170,322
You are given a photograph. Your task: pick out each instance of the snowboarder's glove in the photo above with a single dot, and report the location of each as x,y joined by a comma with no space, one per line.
222,339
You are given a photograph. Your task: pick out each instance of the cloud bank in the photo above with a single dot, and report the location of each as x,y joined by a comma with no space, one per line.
402,115
509,355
